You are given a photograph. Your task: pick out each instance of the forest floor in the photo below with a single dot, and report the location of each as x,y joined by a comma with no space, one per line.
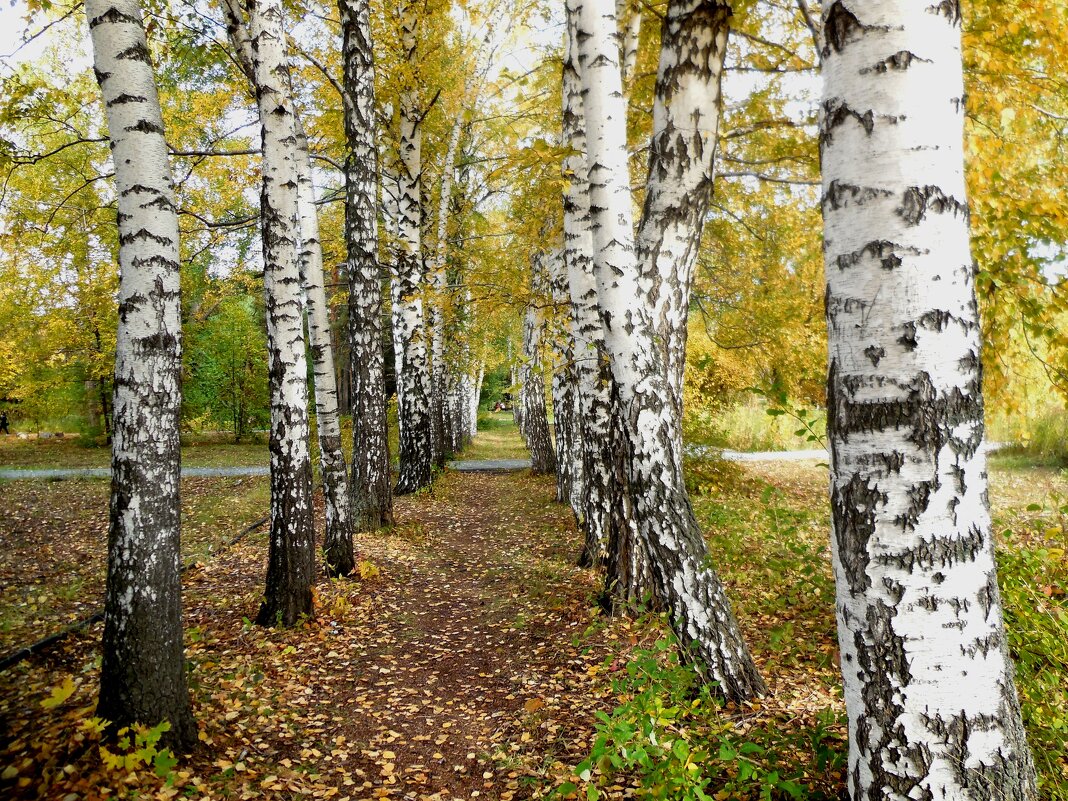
469,659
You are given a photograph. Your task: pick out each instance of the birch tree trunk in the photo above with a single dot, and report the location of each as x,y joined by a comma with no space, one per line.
657,502
291,554
535,428
142,676
371,493
565,394
629,19
437,275
409,325
592,507
681,169
337,543
929,688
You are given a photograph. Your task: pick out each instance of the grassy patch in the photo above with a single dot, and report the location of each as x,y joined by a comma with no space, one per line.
497,438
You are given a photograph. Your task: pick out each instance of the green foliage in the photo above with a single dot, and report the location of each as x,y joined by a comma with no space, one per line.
1033,577
139,746
671,733
226,369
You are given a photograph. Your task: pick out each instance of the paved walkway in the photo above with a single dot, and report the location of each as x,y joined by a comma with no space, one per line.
460,465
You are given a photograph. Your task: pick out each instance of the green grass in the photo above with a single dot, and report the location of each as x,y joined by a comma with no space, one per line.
497,438
749,427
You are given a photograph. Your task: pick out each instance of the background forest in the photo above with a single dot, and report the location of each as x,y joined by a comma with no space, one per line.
757,320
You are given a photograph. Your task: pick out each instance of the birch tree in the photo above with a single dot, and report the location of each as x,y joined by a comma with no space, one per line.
291,552
593,505
142,675
337,540
929,688
409,323
371,492
658,505
535,427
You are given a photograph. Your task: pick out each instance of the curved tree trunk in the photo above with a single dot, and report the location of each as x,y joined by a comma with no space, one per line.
409,324
681,170
142,676
370,490
657,501
593,506
337,543
929,688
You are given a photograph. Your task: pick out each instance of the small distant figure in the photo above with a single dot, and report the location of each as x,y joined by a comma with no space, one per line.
3,423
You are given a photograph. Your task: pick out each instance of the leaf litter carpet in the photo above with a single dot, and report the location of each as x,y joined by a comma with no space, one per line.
463,662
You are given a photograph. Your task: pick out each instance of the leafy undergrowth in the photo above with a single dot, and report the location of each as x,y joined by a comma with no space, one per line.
469,660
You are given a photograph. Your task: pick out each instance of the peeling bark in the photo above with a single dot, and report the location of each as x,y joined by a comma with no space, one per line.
371,494
919,618
142,678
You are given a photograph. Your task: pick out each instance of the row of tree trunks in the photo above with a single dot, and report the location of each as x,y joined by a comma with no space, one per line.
656,501
370,487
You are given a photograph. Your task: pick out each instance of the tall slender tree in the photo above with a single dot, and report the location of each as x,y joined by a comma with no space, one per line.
410,341
291,553
142,677
535,427
929,688
656,500
593,505
371,491
337,540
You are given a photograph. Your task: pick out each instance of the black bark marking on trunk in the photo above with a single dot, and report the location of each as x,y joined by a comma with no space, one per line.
937,552
898,62
136,52
919,200
950,9
837,112
840,27
919,495
841,194
853,509
127,98
875,354
113,15
888,254
144,126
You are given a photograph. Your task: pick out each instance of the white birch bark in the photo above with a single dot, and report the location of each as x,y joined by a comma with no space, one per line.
681,169
566,437
658,505
337,542
370,490
291,552
592,506
143,670
929,688
629,18
438,281
409,323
